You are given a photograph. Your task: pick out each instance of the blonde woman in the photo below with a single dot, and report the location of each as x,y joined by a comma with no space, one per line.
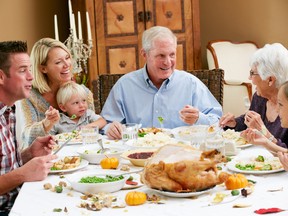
51,67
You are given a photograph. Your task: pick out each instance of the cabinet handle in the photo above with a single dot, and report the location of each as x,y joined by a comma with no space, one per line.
141,16
148,16
122,64
168,14
120,17
144,16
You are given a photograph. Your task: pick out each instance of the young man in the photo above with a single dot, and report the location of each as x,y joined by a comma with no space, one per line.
33,163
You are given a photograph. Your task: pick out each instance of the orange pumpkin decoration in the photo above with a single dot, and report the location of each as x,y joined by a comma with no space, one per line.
135,198
236,181
109,163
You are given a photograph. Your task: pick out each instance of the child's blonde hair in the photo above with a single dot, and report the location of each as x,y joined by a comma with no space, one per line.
67,90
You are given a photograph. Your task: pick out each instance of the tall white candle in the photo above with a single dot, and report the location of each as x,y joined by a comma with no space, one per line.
74,28
79,26
88,26
70,13
56,27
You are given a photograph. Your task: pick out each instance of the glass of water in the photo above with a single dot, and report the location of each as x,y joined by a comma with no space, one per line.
90,135
129,131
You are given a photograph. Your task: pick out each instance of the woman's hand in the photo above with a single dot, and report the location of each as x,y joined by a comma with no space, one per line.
283,157
255,137
115,130
227,120
189,114
253,120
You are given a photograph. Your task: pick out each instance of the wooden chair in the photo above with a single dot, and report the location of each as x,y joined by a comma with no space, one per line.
213,79
233,58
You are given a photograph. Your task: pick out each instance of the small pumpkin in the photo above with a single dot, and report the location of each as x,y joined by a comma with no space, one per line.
133,198
109,163
236,181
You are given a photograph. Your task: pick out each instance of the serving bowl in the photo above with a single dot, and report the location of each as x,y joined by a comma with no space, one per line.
92,153
107,187
138,157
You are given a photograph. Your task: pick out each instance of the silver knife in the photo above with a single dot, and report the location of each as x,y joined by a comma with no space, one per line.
65,143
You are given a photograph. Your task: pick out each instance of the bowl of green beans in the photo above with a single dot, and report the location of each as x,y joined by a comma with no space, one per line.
96,181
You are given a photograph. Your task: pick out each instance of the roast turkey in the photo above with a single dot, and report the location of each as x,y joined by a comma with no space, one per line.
181,168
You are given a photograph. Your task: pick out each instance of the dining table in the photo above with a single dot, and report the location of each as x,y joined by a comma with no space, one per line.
269,191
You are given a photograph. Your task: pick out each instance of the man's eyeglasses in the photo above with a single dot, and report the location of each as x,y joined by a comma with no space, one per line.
253,73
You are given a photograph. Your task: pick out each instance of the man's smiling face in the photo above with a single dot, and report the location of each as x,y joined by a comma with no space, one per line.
161,60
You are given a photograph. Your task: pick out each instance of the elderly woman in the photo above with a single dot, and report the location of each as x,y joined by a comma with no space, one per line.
51,67
269,69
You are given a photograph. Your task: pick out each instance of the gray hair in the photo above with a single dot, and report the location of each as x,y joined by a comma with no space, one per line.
271,60
154,33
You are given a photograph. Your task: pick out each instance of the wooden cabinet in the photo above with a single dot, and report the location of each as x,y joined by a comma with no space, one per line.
117,28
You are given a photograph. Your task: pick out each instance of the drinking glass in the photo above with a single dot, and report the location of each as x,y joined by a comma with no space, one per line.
90,135
198,138
130,131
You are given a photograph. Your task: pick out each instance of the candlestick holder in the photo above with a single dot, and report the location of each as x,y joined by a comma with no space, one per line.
80,53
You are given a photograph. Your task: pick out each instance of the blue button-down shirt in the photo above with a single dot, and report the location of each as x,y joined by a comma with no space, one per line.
135,99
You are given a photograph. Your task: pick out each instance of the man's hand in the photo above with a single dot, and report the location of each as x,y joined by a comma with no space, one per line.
114,131
37,168
41,146
189,114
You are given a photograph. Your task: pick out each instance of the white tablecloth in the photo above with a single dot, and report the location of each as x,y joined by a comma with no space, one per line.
34,200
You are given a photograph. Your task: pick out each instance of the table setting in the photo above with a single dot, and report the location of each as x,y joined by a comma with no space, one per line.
265,188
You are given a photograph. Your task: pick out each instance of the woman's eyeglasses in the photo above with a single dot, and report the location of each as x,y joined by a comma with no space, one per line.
253,73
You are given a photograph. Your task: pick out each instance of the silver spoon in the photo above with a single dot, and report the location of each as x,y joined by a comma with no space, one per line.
103,150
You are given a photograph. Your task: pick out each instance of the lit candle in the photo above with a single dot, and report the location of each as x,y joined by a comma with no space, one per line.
88,26
70,13
56,27
74,28
79,27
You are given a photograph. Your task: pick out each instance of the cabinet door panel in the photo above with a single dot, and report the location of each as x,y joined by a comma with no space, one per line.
169,14
122,59
119,19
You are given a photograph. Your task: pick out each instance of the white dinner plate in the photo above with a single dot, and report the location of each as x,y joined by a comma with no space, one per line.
187,133
151,141
61,138
82,164
182,194
231,166
136,178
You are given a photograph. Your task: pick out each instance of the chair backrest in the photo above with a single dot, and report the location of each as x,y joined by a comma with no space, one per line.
232,57
101,88
213,79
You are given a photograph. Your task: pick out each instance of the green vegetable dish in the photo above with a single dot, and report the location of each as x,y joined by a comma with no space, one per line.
95,179
259,163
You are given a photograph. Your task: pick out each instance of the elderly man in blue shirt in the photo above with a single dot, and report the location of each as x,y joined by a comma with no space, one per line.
159,90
